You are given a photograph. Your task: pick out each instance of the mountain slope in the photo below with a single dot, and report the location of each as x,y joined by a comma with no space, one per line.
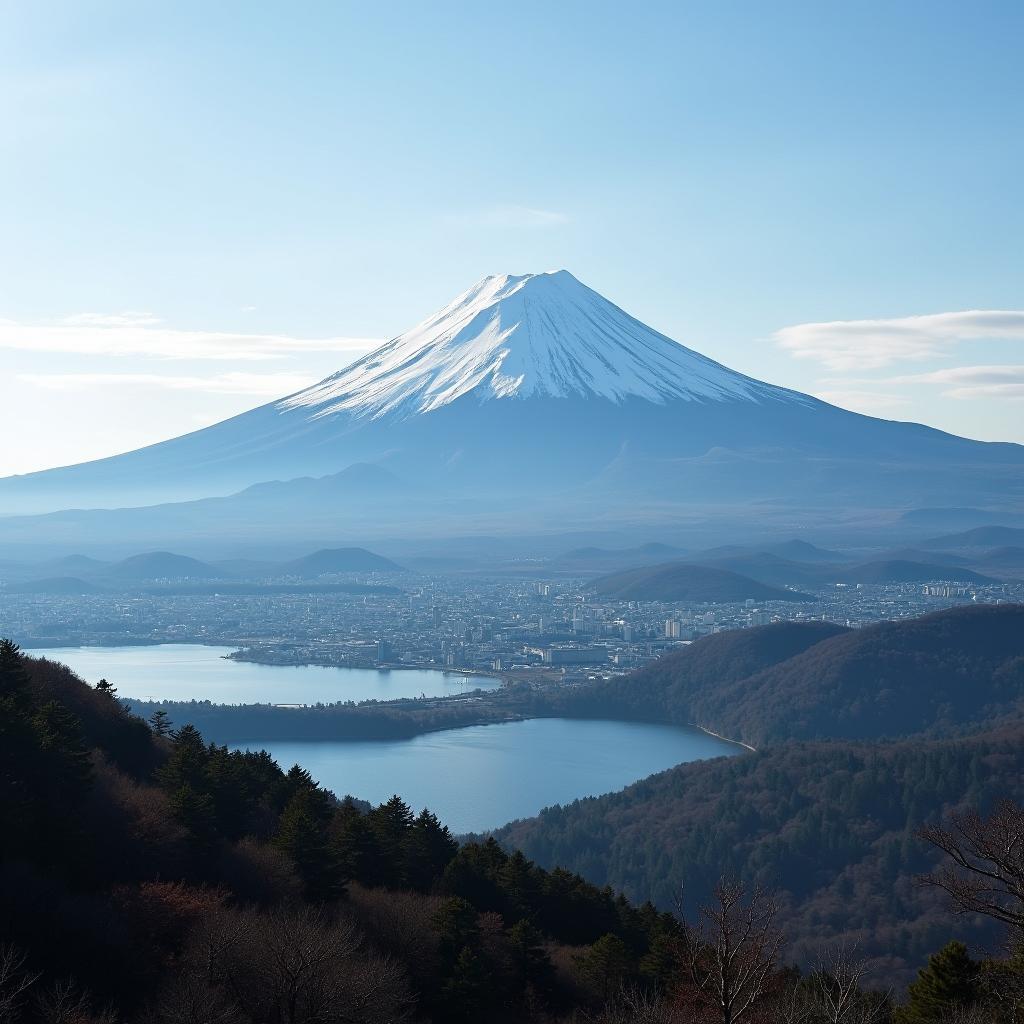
336,560
979,537
681,582
153,565
809,681
534,390
827,826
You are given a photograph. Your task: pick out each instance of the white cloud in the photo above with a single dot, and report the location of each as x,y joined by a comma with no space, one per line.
518,217
142,334
863,401
870,344
270,385
129,318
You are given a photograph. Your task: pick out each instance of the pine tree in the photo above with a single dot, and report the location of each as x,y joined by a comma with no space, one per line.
160,722
303,834
949,982
391,824
533,965
106,687
429,848
604,966
465,993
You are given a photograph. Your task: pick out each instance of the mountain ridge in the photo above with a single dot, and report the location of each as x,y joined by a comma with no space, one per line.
532,390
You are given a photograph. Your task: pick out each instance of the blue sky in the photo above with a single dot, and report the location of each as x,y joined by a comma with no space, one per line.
209,204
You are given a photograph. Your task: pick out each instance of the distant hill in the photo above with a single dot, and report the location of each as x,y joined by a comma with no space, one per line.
1008,557
56,585
768,568
898,571
802,551
684,582
980,537
920,555
598,558
75,565
936,674
335,560
775,571
158,565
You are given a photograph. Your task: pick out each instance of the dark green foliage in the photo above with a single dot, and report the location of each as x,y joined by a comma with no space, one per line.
949,982
935,674
128,870
605,966
303,833
824,824
160,722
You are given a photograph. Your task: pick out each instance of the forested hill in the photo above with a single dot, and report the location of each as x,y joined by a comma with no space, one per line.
150,876
939,674
829,826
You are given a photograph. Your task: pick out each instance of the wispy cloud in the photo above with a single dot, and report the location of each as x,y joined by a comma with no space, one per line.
142,334
968,382
863,400
517,217
871,344
270,385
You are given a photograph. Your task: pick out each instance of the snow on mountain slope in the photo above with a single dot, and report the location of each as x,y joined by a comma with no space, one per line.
532,335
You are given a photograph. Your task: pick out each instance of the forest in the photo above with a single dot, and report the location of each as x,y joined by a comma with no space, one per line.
151,875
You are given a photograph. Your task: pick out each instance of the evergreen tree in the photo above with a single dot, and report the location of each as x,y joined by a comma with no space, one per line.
391,824
531,960
303,834
429,848
107,688
196,813
949,982
160,722
604,966
466,991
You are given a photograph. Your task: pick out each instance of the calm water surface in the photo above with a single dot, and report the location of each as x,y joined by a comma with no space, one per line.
485,775
198,672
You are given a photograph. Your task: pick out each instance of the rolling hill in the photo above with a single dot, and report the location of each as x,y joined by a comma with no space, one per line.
937,674
979,537
683,582
338,560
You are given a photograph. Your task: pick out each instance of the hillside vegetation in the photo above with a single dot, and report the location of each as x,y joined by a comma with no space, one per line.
148,875
938,674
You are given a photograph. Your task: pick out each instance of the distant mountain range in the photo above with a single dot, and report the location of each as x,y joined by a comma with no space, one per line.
529,403
152,566
979,537
682,582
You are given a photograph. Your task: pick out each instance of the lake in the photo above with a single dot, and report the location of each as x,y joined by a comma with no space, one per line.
482,776
198,672
474,778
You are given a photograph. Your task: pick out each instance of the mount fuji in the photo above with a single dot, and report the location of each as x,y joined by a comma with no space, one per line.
528,399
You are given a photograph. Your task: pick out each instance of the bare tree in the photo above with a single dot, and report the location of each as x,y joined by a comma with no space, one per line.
638,1006
15,982
732,949
299,966
65,1003
837,985
988,854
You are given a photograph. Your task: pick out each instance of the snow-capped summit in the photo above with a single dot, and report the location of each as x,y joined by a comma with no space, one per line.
530,402
521,336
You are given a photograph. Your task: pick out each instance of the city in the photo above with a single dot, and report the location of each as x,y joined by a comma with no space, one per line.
523,628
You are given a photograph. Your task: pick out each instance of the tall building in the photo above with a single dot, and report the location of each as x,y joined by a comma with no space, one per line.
673,629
